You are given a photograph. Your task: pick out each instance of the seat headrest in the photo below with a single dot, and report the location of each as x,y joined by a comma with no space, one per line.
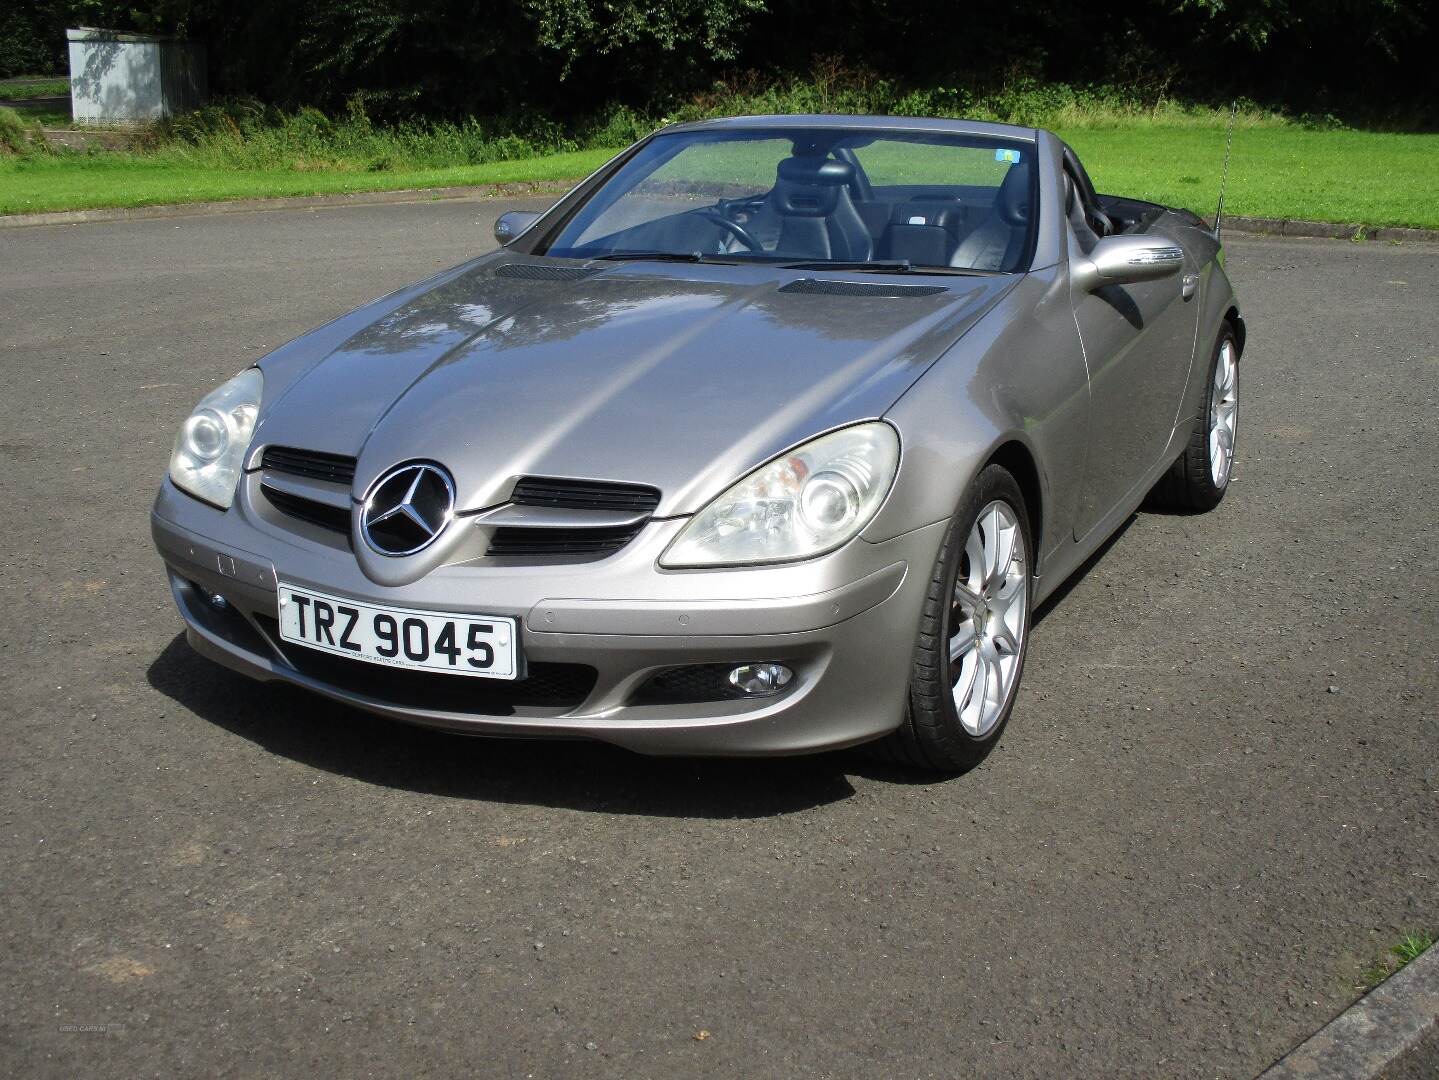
810,186
816,171
1012,199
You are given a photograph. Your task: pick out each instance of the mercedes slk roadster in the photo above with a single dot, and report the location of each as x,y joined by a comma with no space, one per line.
767,438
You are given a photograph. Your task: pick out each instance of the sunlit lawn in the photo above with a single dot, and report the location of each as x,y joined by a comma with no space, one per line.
1345,176
82,181
1340,176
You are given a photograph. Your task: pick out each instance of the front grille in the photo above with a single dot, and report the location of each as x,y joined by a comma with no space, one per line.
550,492
313,465
584,494
517,540
545,686
317,465
316,513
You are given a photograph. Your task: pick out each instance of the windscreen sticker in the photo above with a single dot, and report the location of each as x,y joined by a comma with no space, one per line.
1007,155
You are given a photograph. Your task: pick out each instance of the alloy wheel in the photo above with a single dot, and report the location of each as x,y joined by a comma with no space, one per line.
1223,414
988,618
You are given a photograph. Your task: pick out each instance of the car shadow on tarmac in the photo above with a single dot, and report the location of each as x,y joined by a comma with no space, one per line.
1054,599
574,774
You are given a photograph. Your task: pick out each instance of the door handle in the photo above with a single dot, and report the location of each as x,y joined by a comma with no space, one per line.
1190,286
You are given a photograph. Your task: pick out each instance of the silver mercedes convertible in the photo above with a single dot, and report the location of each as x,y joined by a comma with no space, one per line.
767,438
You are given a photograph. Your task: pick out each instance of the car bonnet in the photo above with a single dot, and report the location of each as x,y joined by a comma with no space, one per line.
682,377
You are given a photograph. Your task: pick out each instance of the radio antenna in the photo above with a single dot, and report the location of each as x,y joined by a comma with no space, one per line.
1224,180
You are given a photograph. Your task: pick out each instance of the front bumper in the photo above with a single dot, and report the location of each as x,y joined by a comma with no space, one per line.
845,623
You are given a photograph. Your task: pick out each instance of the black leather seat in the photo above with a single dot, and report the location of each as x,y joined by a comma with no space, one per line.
809,214
997,242
922,231
1090,224
1084,232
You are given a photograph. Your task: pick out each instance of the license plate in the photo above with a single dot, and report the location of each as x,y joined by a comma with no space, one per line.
479,645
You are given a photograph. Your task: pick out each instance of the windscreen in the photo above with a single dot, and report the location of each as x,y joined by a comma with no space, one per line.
917,200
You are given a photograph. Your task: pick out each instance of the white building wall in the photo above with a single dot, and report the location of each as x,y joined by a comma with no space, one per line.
118,78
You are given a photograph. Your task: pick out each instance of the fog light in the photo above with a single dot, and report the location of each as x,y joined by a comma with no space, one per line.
218,602
760,678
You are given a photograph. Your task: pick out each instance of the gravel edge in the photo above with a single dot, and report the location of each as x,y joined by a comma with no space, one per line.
1374,1033
1250,225
1292,227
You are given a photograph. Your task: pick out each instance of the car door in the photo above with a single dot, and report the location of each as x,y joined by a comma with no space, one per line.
1138,341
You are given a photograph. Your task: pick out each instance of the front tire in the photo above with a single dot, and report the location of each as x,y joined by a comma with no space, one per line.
973,633
1199,478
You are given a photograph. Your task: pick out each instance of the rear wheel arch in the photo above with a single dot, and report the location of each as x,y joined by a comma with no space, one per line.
1200,475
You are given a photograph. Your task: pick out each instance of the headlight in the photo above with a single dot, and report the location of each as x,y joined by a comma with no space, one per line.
809,501
210,449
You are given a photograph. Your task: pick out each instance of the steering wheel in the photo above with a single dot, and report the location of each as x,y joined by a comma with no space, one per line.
734,228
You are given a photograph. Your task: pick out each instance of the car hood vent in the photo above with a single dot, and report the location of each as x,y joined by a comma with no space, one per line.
537,272
824,287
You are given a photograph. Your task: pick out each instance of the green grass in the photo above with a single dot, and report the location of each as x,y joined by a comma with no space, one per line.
750,164
1275,171
19,137
76,181
1371,178
1410,948
13,90
1135,142
49,116
1323,175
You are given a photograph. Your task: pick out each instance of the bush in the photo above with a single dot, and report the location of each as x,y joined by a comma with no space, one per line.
567,58
834,87
18,137
244,133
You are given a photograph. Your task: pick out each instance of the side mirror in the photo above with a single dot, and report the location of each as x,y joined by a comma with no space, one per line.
1124,260
508,226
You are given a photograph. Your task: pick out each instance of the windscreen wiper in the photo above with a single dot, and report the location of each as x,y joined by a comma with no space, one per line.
660,256
892,266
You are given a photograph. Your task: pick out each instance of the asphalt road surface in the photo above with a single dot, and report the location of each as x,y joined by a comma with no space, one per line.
1215,806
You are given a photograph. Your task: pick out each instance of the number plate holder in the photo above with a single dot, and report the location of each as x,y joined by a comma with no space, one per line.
413,639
